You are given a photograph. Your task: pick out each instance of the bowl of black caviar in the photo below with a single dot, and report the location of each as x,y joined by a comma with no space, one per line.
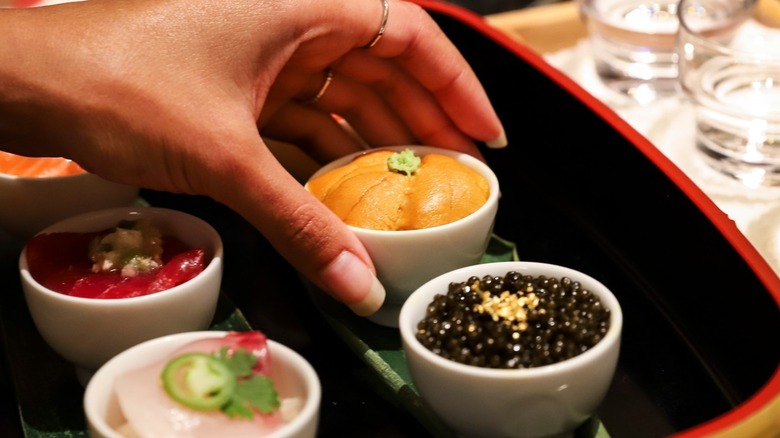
512,349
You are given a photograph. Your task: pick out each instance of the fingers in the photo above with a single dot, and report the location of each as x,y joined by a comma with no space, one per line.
380,103
303,230
412,86
314,131
415,42
367,110
416,113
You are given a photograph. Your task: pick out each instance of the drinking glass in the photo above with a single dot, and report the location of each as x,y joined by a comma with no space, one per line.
633,45
730,71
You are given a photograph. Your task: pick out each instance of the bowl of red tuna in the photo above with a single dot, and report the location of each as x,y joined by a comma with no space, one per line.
205,384
100,282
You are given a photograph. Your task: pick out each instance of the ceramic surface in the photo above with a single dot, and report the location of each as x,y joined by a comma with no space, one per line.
40,202
404,260
551,400
87,331
293,376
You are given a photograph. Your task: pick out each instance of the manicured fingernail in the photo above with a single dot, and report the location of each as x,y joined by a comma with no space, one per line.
355,284
372,301
498,142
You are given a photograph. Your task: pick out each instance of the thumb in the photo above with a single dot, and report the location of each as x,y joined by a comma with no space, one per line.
304,231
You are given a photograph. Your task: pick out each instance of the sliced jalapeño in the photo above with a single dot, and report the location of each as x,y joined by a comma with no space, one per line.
199,381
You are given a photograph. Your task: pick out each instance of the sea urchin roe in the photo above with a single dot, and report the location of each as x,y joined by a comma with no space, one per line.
515,321
392,191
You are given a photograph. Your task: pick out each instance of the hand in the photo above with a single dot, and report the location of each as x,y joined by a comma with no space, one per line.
174,95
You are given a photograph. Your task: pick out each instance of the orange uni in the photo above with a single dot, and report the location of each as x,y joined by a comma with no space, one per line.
365,194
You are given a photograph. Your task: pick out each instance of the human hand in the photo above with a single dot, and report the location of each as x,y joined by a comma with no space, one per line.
173,94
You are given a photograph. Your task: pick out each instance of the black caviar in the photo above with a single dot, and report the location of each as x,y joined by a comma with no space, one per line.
518,321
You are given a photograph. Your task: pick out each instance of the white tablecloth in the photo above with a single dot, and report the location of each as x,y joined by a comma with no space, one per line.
669,125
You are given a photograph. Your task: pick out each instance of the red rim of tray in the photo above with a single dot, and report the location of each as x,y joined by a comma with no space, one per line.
769,395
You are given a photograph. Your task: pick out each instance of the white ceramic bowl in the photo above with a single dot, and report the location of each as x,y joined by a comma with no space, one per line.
31,204
293,376
89,331
550,400
404,260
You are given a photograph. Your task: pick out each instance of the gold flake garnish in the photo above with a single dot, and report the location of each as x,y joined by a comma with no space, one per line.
510,308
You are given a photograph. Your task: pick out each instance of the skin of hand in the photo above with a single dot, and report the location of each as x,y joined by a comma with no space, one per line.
174,95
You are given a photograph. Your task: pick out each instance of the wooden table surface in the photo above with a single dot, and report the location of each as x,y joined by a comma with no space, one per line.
544,28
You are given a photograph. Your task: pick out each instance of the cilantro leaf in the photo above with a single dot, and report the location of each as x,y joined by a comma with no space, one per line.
241,362
256,392
238,408
251,391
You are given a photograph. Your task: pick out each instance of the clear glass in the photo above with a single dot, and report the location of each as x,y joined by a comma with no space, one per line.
730,72
633,44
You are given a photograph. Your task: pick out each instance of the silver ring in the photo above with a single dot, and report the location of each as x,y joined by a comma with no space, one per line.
385,13
323,89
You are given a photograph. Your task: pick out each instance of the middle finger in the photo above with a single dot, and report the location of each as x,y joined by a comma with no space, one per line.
408,99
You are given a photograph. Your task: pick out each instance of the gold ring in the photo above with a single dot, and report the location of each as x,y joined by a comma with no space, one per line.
323,89
385,13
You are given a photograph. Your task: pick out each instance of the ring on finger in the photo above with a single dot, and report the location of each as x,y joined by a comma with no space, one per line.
323,88
382,25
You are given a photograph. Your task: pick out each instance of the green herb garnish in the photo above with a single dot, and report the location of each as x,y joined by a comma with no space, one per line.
258,392
133,248
405,162
220,381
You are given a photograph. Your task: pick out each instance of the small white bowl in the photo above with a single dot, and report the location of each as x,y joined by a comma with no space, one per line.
89,331
404,260
549,400
31,204
293,376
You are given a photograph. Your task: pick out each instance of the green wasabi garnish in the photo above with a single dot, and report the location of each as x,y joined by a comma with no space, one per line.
405,162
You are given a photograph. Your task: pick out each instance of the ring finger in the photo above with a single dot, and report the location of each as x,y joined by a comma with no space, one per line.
414,106
365,111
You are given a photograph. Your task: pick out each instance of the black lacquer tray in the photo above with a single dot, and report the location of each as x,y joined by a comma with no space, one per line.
700,350
581,188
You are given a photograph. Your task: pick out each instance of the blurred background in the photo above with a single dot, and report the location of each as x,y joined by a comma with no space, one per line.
485,7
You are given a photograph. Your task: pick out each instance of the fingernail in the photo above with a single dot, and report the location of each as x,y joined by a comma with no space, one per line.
355,284
372,301
498,142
